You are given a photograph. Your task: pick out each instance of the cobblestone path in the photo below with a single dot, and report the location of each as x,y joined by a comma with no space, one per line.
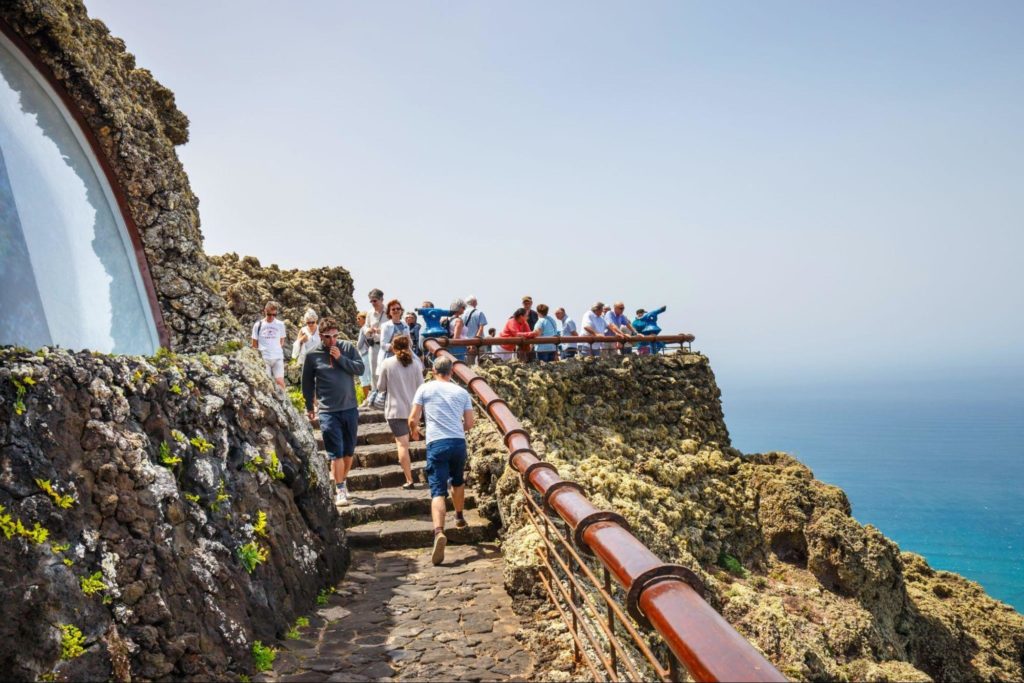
397,617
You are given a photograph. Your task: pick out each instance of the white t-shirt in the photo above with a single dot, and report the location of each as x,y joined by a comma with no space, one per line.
269,336
444,404
595,322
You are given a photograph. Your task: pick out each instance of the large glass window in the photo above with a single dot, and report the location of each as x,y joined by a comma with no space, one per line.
68,272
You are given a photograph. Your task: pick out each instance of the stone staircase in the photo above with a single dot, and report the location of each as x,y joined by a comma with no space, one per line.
383,515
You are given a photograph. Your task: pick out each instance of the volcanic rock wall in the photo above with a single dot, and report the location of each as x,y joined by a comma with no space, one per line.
247,286
134,493
821,595
136,125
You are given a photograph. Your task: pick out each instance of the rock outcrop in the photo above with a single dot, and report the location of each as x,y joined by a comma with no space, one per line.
823,596
247,286
136,125
170,510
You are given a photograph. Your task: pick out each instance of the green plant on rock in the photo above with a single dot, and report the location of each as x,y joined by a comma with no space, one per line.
192,497
732,565
201,444
222,497
92,584
178,436
71,641
263,657
227,347
68,562
166,459
274,467
293,633
295,396
175,389
260,527
58,548
253,465
21,388
60,501
321,597
11,527
252,555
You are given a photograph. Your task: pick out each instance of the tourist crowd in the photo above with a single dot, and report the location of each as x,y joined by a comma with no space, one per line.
387,361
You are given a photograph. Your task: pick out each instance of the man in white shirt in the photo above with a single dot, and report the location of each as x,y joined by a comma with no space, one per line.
268,335
474,322
593,323
448,412
371,331
566,328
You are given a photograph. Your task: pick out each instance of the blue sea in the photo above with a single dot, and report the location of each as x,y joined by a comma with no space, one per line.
939,472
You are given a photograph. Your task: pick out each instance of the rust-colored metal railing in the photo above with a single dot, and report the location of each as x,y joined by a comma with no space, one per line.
665,597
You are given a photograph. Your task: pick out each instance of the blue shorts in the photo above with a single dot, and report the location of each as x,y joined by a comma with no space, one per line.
458,351
339,430
446,459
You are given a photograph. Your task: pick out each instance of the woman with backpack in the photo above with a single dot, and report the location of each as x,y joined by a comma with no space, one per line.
400,376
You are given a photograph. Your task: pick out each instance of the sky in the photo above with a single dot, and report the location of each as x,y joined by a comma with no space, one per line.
815,190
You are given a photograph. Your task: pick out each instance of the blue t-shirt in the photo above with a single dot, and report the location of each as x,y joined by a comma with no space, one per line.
547,328
620,321
443,403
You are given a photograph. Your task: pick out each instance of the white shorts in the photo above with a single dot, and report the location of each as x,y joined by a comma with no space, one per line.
275,367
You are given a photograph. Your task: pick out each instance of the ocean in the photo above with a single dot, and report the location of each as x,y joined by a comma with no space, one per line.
942,475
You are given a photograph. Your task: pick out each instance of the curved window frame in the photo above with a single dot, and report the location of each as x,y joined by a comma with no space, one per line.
114,193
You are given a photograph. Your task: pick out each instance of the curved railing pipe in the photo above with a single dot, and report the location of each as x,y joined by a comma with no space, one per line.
584,339
664,596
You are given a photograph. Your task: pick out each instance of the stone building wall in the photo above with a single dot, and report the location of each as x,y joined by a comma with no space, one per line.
824,597
137,125
150,476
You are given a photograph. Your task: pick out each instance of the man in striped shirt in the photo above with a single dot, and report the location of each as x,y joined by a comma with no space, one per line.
448,411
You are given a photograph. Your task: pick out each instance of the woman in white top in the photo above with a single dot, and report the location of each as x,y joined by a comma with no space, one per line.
308,337
394,327
400,376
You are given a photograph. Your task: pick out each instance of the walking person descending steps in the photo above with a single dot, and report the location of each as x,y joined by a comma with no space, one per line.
329,372
448,411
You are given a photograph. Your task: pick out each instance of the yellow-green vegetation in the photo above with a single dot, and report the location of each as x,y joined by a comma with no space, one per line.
58,548
47,676
178,436
192,497
92,584
271,465
295,396
11,527
68,562
222,497
201,444
252,555
61,501
71,641
175,389
227,347
260,527
293,633
263,657
243,678
166,459
321,597
21,387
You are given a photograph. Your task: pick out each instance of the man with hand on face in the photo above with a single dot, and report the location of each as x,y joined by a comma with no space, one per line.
329,372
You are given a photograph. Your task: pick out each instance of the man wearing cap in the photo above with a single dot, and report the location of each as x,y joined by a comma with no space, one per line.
474,322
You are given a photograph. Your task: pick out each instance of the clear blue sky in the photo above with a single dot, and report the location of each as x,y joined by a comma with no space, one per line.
814,189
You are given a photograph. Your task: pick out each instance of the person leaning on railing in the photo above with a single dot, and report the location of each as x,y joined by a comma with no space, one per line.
566,328
517,326
619,326
594,324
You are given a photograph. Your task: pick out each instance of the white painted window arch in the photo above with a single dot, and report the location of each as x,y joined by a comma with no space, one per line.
68,270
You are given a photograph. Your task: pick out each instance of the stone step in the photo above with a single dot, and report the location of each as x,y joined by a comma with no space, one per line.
373,433
379,455
370,478
393,503
418,532
366,416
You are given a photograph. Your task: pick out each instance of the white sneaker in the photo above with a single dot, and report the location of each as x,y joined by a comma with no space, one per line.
437,556
341,496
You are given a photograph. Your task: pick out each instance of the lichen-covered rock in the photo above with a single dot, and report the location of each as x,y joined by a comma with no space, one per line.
137,125
134,493
784,561
247,286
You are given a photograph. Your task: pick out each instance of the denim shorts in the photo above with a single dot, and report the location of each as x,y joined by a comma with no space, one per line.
339,430
446,458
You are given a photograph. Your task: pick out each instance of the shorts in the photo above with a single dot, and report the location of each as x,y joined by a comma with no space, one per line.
458,351
546,356
339,430
446,459
275,367
399,427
